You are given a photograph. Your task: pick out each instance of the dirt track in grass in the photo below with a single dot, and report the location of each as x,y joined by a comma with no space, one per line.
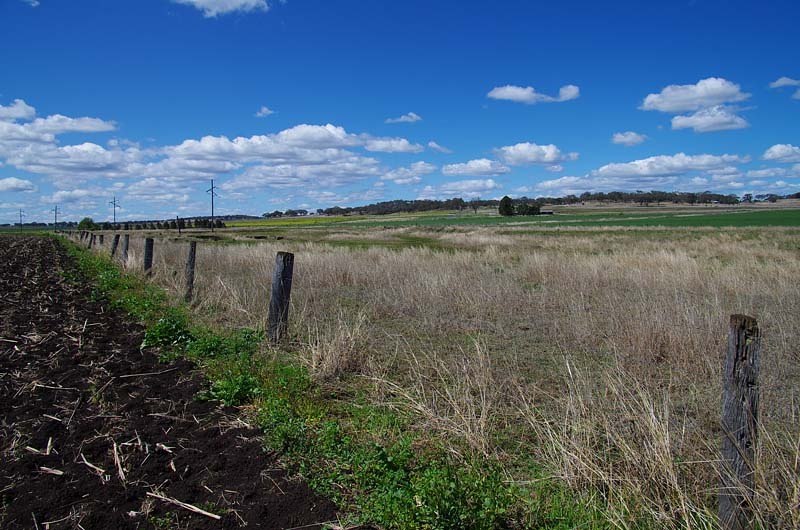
92,426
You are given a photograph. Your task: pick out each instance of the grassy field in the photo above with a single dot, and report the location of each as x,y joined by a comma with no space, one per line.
585,348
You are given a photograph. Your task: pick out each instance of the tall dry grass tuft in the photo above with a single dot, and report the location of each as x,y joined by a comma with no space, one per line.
457,399
337,349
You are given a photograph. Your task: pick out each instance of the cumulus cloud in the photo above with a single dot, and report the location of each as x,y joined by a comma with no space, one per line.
478,167
411,174
530,96
212,8
705,93
666,165
526,153
263,112
782,153
13,184
411,117
440,148
18,110
718,118
628,138
460,188
391,145
709,102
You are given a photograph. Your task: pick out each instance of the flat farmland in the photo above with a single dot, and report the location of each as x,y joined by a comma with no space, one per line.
584,351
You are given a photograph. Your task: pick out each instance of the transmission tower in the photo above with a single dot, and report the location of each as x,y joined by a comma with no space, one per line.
55,218
21,215
213,194
116,205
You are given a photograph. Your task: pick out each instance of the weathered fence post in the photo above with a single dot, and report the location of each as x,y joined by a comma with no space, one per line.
114,244
125,243
101,240
281,292
91,241
190,260
739,423
148,255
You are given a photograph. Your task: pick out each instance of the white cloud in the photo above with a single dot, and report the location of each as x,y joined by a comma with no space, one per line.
666,165
58,124
411,117
628,138
530,96
461,188
766,173
479,167
708,92
782,153
411,174
392,145
555,168
718,118
32,3
13,184
784,81
72,196
530,153
334,173
19,110
436,147
263,112
212,8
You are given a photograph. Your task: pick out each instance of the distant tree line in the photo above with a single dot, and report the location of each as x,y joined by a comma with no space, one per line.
636,197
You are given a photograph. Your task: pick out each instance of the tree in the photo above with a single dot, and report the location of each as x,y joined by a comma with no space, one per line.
528,209
87,223
475,204
506,207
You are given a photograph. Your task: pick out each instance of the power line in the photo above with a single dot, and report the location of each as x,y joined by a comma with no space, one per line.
213,194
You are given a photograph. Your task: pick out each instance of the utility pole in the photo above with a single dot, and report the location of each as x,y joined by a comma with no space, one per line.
116,205
21,215
55,218
213,193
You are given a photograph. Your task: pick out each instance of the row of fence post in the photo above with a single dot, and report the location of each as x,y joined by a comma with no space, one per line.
280,295
740,381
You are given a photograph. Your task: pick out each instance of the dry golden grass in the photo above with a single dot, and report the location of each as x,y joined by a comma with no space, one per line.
601,349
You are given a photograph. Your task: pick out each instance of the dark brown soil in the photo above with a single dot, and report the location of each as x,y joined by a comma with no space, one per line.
90,423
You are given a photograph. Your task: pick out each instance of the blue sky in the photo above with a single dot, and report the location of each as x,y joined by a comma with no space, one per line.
312,103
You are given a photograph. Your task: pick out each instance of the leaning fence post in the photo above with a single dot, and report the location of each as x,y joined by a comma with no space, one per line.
739,423
91,241
148,255
101,240
281,292
125,243
190,260
114,244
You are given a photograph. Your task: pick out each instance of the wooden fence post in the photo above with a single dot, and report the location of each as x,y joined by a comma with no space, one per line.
126,239
148,255
91,241
190,261
281,292
114,244
739,423
101,240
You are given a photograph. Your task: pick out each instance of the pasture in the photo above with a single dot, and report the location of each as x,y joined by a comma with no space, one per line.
584,349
